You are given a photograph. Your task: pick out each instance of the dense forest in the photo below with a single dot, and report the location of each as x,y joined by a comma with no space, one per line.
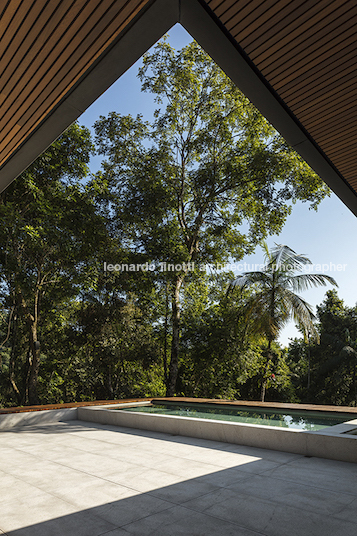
105,290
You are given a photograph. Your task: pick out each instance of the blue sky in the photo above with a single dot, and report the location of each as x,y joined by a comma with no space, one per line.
325,236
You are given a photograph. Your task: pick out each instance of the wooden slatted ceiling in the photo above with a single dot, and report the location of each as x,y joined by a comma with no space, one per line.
307,51
45,47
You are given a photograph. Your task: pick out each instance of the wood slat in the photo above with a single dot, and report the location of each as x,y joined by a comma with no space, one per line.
307,51
237,11
308,73
343,162
54,54
215,4
300,38
278,27
313,51
333,115
63,73
10,23
250,33
347,96
339,76
248,19
336,135
331,122
339,146
330,95
7,13
349,171
33,44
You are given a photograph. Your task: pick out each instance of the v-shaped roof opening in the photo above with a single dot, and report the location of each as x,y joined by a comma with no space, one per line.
295,60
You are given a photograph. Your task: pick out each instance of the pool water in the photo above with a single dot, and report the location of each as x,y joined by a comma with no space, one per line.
301,420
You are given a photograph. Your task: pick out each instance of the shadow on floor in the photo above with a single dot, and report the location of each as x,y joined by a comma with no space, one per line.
253,498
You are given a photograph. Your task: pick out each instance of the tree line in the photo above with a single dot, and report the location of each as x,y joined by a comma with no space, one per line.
205,182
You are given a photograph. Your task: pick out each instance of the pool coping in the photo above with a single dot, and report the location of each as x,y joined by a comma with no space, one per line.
333,442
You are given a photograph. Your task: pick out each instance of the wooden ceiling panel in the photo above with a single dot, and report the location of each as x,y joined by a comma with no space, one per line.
279,26
308,38
334,96
296,59
46,47
313,51
334,121
307,73
322,90
307,52
248,20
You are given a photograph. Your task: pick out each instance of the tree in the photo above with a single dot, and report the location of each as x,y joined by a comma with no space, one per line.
218,359
275,301
335,359
206,181
48,229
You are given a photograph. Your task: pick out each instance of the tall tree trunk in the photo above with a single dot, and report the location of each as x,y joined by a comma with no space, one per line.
264,383
265,378
171,386
12,362
109,383
34,365
166,375
34,348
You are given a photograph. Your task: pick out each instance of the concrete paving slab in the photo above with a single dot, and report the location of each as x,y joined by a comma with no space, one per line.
343,481
179,521
140,506
269,517
85,479
46,515
349,513
298,495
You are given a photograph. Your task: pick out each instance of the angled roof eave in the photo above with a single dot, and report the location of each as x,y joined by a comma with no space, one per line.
201,23
154,20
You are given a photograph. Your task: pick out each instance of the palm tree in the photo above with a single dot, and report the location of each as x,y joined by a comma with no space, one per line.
274,301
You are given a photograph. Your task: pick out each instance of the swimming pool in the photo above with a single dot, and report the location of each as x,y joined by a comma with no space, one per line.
310,430
299,420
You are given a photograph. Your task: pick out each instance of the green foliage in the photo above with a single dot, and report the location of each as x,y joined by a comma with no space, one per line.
48,227
274,300
204,182
333,362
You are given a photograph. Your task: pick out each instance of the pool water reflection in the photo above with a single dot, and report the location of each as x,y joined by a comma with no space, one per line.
300,420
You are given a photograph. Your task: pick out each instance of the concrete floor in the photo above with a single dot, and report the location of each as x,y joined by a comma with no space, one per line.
82,479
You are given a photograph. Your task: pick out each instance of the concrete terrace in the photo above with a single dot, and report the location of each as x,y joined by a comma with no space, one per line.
82,479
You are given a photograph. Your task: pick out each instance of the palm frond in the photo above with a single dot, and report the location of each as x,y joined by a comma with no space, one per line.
275,301
301,313
250,278
301,282
283,256
267,254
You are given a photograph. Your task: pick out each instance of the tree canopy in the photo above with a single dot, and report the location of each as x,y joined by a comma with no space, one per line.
47,231
206,181
203,183
275,300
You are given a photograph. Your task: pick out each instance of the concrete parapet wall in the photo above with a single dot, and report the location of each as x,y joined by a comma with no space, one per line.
14,420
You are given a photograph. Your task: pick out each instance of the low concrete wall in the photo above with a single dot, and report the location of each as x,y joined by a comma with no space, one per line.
330,445
14,420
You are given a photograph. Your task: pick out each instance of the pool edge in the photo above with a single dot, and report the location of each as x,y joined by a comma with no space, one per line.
331,444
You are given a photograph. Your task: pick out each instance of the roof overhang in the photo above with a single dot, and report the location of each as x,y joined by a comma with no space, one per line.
145,21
